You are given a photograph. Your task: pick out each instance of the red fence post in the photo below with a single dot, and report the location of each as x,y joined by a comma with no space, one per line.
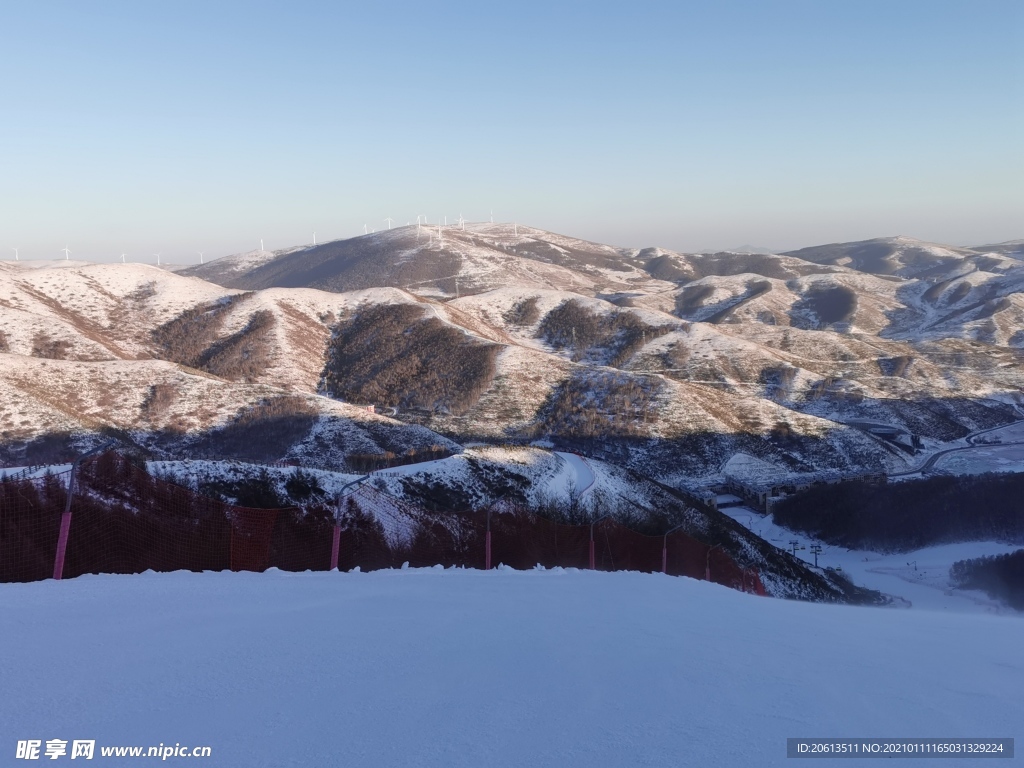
664,548
335,546
487,543
62,545
65,519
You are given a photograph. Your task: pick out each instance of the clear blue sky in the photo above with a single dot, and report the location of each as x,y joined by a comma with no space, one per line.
179,127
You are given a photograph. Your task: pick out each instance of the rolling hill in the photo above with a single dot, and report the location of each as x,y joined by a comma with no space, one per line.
666,362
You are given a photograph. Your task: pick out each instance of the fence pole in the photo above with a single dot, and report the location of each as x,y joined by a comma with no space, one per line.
336,537
335,546
664,548
62,540
65,518
592,559
487,543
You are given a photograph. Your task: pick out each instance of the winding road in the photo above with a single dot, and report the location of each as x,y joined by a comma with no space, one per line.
929,463
583,475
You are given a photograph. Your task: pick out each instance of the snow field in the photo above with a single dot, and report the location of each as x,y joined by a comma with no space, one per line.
918,579
438,667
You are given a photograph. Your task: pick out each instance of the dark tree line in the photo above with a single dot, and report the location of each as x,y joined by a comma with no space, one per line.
1000,576
245,355
908,515
192,339
264,431
612,338
822,306
395,356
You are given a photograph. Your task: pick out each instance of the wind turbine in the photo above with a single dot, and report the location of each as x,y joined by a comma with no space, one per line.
157,259
201,260
389,220
261,244
492,215
462,222
16,258
439,238
314,238
122,258
366,231
67,253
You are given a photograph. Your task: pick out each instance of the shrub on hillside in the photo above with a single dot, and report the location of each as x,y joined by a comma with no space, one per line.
158,401
895,366
301,485
778,382
523,313
255,492
53,349
601,404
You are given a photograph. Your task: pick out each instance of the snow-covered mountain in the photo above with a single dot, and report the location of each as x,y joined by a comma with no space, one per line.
771,356
902,256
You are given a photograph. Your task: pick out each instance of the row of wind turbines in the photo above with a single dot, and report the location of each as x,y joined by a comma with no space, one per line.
65,250
67,255
421,223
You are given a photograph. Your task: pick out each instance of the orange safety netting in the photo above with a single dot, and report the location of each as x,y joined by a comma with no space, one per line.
124,520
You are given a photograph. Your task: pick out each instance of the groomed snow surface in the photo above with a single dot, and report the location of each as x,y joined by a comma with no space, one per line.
438,667
915,579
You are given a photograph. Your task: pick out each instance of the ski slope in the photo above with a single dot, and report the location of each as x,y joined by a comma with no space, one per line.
438,667
916,579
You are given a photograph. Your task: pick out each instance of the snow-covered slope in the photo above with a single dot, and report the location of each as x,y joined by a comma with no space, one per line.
903,256
46,406
443,262
503,668
228,267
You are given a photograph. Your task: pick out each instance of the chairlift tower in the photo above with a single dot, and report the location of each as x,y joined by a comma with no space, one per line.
816,550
